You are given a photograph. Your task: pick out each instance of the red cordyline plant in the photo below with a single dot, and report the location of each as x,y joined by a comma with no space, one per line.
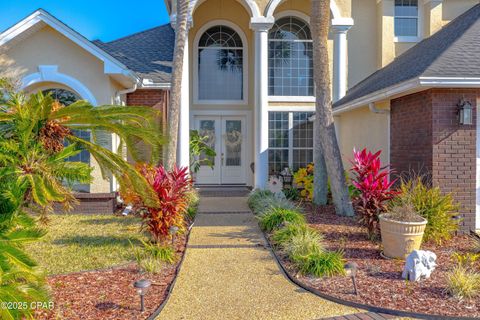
172,188
372,181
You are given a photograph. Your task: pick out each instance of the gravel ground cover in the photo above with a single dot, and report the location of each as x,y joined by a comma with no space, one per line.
379,280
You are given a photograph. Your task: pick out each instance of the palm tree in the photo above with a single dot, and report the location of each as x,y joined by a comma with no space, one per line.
181,33
324,125
34,129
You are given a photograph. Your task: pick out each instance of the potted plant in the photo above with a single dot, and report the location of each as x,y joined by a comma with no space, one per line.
402,231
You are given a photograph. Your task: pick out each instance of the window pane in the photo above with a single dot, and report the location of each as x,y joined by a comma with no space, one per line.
233,142
277,160
406,18
290,67
278,129
406,27
220,65
301,157
207,129
302,130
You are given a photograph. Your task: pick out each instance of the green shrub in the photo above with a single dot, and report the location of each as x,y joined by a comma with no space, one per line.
292,194
273,218
153,257
302,245
463,283
263,205
284,235
323,264
257,195
439,209
193,199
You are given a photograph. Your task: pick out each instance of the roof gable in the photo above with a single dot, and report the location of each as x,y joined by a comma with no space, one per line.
40,18
452,52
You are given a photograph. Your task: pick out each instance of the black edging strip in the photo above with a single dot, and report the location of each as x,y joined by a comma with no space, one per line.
172,284
356,304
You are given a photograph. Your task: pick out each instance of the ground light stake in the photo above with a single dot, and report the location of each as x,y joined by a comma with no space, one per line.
351,270
142,288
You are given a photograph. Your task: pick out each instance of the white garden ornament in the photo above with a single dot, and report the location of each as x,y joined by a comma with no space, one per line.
275,185
419,265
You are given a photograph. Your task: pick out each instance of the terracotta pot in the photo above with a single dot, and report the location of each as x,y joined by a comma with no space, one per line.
399,238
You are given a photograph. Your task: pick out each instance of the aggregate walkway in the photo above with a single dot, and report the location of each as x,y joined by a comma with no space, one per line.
228,273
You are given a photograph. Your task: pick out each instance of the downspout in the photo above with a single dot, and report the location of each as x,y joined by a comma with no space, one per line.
375,110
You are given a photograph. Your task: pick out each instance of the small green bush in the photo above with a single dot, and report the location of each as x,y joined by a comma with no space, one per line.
323,264
439,209
257,195
292,193
463,283
284,235
263,205
273,218
153,257
302,245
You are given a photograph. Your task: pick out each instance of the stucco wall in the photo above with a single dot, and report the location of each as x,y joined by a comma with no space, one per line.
362,129
48,47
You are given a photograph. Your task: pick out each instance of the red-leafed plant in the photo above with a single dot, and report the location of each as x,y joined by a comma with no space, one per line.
372,181
172,188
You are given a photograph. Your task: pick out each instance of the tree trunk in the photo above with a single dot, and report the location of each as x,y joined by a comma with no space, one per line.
325,127
181,30
320,178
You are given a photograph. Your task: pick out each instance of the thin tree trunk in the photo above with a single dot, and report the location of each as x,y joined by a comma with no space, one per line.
181,30
325,128
320,178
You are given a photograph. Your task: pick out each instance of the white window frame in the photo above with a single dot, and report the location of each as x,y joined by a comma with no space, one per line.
306,19
290,111
245,93
410,39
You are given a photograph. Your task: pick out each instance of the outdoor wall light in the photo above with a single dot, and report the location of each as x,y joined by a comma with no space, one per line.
465,112
173,230
142,288
351,271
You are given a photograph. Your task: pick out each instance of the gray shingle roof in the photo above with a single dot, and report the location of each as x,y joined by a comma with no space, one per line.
453,51
148,53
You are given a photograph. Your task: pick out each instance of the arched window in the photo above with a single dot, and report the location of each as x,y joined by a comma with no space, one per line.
220,65
67,97
290,65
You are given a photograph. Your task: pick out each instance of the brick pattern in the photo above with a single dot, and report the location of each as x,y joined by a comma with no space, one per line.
92,203
427,138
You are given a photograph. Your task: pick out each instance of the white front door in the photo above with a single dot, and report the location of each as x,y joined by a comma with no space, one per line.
226,135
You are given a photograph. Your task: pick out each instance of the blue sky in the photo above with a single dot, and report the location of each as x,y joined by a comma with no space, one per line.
95,19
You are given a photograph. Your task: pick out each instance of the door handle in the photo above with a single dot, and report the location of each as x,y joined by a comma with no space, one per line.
222,158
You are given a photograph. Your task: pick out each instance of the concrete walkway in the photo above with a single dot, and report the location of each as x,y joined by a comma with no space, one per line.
228,273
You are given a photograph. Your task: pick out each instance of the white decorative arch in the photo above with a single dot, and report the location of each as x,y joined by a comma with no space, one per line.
249,5
273,4
293,13
48,73
196,40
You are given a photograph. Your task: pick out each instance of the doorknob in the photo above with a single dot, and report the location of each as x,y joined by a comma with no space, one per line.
222,158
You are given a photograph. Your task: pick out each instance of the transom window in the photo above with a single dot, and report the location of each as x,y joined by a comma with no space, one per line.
220,65
67,97
406,18
290,140
290,65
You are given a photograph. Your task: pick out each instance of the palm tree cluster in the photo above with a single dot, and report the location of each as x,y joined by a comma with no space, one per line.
36,138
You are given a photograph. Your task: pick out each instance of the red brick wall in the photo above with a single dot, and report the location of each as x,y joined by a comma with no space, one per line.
425,130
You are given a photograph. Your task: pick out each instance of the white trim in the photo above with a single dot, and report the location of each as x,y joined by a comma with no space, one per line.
111,65
407,39
293,13
412,85
291,98
49,73
196,40
273,4
291,108
149,83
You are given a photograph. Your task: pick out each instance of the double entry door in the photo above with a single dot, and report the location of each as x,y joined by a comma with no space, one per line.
226,135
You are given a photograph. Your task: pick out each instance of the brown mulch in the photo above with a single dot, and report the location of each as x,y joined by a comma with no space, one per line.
379,280
109,293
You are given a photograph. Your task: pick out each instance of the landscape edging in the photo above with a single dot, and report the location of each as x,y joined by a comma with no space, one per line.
352,304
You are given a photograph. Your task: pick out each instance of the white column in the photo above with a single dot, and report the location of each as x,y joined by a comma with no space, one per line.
261,101
340,61
183,149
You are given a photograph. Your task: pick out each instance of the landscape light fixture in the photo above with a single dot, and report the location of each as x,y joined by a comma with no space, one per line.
465,112
142,288
173,230
351,271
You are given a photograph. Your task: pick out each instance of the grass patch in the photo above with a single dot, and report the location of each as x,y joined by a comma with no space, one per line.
87,242
284,235
323,264
463,283
304,244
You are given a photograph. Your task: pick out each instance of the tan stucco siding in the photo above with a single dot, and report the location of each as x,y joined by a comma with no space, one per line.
48,47
362,129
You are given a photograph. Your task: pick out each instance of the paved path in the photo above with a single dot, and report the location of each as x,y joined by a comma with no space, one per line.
229,274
